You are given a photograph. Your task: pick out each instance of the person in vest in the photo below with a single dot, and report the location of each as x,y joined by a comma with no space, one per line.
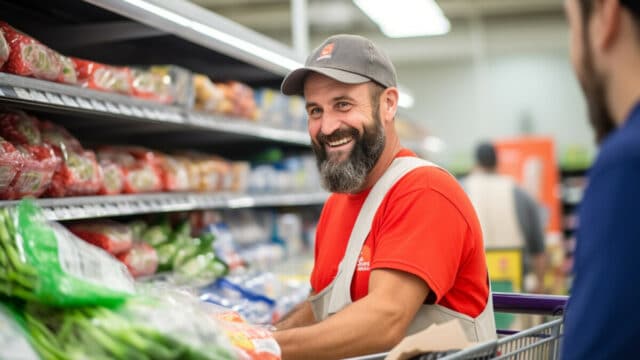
509,217
398,244
602,317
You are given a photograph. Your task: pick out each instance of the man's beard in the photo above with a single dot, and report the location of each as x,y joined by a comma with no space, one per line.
350,174
594,90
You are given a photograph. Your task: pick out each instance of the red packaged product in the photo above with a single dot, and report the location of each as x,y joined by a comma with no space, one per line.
175,175
103,77
4,49
79,173
20,128
250,342
68,74
141,259
113,178
151,86
141,169
111,236
39,164
29,57
38,159
11,162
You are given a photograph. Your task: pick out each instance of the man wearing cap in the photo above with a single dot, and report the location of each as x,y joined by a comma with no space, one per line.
398,244
602,317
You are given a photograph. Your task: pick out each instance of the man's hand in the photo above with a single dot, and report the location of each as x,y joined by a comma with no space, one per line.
375,323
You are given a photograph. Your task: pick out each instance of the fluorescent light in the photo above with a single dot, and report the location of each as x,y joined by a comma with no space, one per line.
406,18
208,31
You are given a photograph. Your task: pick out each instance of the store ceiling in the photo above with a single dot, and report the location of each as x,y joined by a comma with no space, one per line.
533,21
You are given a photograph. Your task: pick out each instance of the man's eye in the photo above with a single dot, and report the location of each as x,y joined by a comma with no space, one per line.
314,111
342,105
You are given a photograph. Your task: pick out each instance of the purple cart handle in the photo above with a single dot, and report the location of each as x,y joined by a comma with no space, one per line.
529,303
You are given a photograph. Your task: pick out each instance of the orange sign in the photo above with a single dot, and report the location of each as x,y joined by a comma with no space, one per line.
532,162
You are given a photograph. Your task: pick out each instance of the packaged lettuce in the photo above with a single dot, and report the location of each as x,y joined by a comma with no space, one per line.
15,343
45,263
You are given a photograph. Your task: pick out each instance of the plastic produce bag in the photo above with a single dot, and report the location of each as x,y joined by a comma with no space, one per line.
140,166
175,175
4,49
29,57
46,263
97,76
68,74
38,159
111,236
151,86
249,341
141,260
79,172
11,162
164,326
180,83
14,340
113,178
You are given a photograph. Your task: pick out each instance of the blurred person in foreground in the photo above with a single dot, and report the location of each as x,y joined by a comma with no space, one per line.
398,244
602,317
510,218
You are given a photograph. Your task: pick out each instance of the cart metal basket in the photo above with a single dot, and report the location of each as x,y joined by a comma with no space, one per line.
538,342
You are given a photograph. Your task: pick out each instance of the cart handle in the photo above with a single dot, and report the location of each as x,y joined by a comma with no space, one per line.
529,303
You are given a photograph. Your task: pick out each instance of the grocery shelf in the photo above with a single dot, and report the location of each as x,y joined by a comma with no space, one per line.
85,207
101,106
206,28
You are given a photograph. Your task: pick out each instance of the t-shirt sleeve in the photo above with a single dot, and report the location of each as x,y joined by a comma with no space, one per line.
422,232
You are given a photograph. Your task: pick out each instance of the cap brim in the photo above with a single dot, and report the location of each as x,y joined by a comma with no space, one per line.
293,83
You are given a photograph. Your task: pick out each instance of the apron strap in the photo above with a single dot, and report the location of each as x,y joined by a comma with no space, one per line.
341,294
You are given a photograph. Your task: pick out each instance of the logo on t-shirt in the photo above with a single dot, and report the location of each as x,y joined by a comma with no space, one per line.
364,260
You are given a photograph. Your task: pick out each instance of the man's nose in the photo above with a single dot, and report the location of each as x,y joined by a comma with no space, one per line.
330,123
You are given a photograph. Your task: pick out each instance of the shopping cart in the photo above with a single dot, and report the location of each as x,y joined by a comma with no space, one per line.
538,342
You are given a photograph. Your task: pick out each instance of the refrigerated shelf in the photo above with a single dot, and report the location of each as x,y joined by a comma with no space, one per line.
85,207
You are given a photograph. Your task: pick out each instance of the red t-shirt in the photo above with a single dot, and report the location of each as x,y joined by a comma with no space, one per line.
425,226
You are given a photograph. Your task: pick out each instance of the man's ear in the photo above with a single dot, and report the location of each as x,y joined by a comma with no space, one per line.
389,103
607,16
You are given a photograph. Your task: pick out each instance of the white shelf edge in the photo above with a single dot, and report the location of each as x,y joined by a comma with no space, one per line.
86,207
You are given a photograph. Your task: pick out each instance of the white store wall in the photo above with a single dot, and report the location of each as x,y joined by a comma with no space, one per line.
492,79
514,94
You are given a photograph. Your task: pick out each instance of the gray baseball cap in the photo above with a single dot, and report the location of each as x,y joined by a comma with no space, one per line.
350,59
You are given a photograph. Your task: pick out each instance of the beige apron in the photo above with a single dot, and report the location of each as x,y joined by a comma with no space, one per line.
493,198
337,295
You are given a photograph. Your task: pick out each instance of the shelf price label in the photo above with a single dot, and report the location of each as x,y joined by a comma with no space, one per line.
67,100
98,105
84,103
137,112
22,93
150,114
112,108
54,99
38,96
124,109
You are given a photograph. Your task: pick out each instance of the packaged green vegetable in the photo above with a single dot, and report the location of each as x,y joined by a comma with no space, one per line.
14,340
45,263
166,326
